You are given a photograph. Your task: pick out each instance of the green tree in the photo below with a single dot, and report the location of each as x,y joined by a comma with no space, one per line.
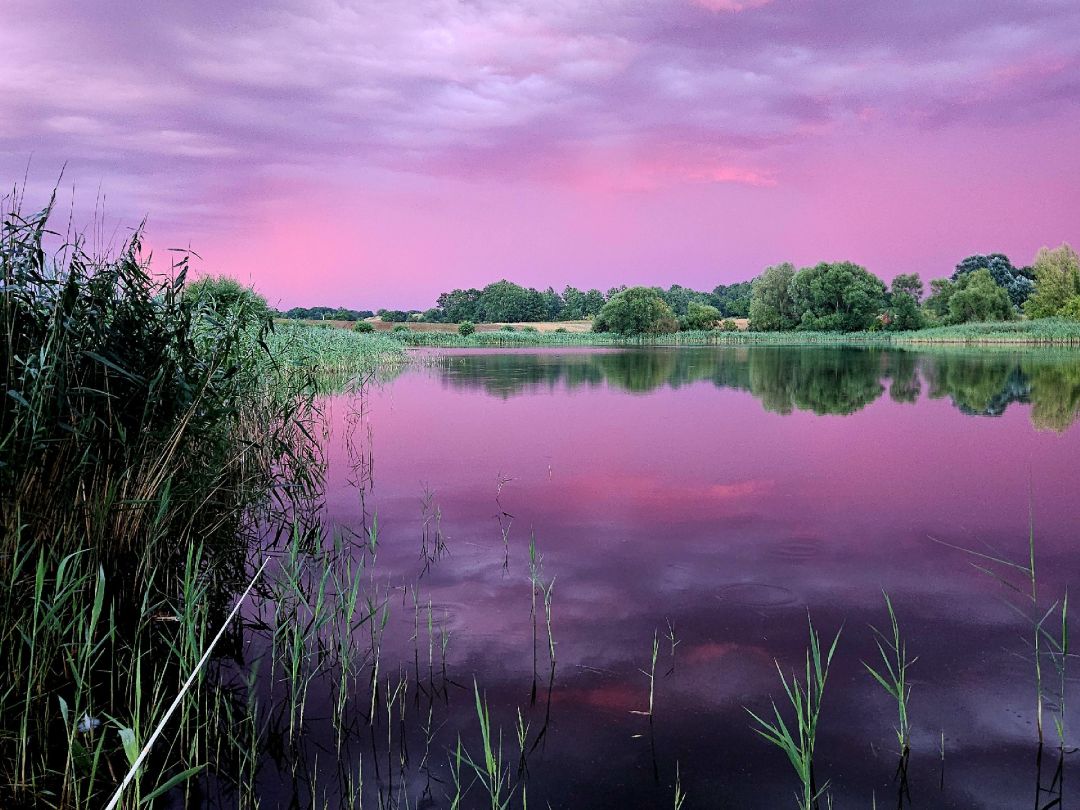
1017,282
363,326
506,301
699,317
573,303
1071,309
466,328
837,297
908,283
733,300
1057,279
937,305
459,305
553,304
594,302
903,312
636,311
977,297
771,308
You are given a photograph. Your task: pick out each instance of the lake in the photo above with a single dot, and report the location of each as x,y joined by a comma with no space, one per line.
708,499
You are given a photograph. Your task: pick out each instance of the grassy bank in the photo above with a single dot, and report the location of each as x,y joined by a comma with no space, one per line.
1044,332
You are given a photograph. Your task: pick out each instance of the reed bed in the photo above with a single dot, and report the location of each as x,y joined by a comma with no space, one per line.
145,436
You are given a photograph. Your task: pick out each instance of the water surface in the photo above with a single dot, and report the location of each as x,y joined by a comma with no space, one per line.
711,497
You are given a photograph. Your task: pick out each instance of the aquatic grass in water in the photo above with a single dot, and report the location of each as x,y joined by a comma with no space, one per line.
892,676
805,699
1030,610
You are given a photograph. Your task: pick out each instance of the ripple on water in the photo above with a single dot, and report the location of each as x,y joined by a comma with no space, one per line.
797,549
756,594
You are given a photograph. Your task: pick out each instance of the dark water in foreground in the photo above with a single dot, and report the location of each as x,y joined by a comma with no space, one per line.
719,494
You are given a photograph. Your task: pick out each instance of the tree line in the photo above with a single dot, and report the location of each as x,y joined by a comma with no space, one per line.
846,297
829,296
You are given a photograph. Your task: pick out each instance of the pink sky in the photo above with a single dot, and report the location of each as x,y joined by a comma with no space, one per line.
375,154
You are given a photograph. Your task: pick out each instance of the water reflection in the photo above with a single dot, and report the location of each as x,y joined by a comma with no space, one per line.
819,380
691,512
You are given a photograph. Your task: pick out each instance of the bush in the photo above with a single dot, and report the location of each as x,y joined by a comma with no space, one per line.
561,331
227,296
507,328
636,311
529,329
401,328
728,325
1071,309
363,326
466,328
976,297
699,317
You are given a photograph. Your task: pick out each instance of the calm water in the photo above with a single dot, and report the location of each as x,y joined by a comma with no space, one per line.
719,494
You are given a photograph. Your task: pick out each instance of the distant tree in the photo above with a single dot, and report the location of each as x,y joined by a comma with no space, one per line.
506,301
393,316
1057,280
977,297
1071,309
699,317
771,307
909,284
903,312
553,304
937,304
433,315
227,295
460,305
637,310
573,303
837,297
733,300
594,302
363,326
466,328
678,298
1017,282
613,291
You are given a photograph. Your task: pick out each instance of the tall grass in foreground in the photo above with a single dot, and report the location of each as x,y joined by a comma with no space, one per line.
143,433
805,698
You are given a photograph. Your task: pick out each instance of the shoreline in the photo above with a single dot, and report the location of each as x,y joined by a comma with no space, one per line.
1049,333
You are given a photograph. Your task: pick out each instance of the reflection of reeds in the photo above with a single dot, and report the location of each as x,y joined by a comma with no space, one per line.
805,699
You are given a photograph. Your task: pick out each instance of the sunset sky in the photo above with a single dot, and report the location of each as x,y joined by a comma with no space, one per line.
377,153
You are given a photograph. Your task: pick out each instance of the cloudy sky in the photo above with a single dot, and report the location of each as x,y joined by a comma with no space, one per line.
376,153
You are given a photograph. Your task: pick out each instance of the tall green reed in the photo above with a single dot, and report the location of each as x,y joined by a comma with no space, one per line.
805,698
